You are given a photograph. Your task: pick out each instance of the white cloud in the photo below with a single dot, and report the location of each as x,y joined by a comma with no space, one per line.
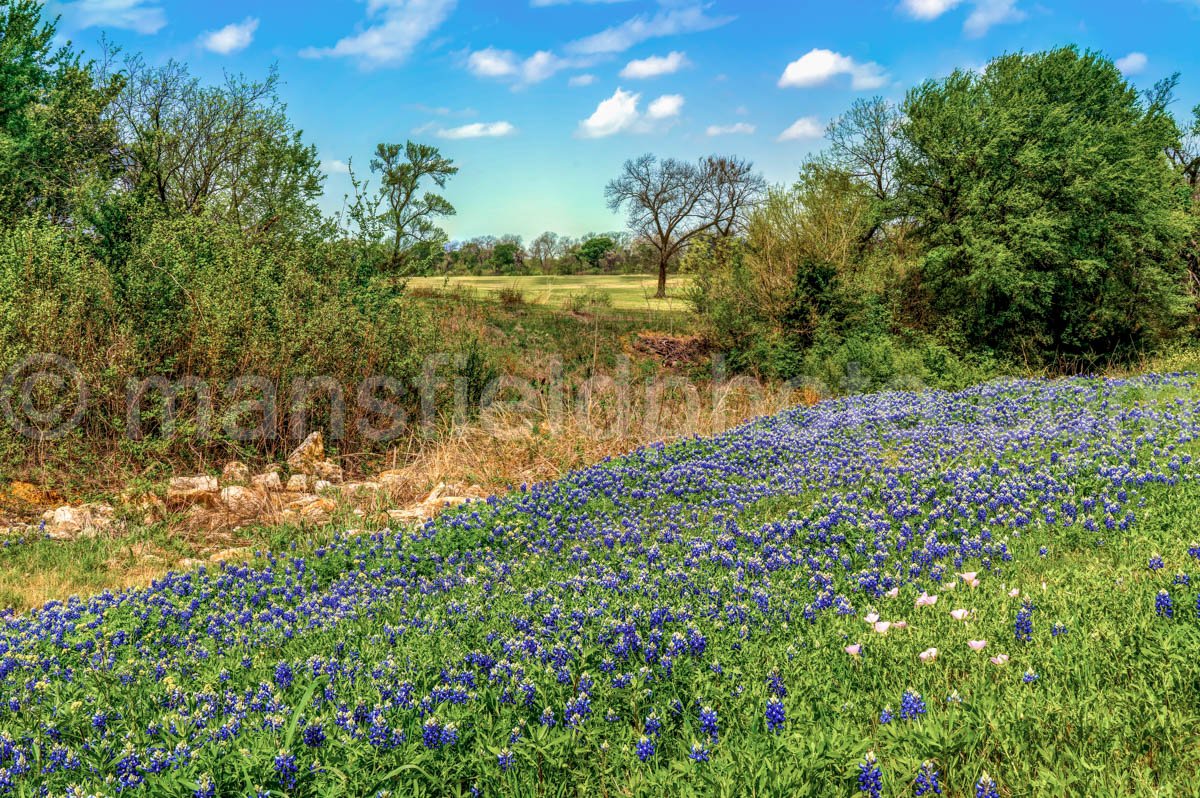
492,63
738,128
477,130
505,64
232,38
140,16
669,22
665,107
544,3
991,12
581,80
335,167
928,9
398,26
1132,63
620,114
818,66
655,65
984,13
806,127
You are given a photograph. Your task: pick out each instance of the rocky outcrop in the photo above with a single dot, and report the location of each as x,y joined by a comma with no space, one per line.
185,492
83,521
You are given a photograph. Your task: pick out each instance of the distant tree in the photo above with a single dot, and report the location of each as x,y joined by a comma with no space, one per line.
507,256
670,202
593,251
408,213
1052,220
54,133
543,250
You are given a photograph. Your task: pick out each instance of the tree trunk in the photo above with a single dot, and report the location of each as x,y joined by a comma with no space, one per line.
662,279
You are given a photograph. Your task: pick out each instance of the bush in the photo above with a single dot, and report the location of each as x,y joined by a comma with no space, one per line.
197,297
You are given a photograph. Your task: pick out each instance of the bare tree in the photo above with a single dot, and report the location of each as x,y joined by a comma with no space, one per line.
670,202
864,143
542,249
733,187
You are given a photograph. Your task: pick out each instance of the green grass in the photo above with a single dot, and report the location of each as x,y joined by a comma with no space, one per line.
627,291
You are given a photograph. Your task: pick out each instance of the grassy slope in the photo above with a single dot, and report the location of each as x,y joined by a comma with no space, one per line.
1113,712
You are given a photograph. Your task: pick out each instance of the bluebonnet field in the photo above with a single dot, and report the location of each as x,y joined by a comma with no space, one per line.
984,593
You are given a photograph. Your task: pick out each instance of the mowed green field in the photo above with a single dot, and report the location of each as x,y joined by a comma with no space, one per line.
627,291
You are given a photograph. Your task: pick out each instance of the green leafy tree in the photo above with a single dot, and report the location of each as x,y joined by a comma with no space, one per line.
55,137
1052,220
409,215
593,251
227,150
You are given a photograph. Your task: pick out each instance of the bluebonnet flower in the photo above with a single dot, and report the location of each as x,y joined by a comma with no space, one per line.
912,706
504,759
1043,551
1058,629
775,684
986,787
1029,677
698,753
645,748
775,715
1163,606
885,717
1181,579
314,735
708,721
431,733
449,735
870,777
1023,627
652,724
206,789
1156,562
927,781
285,769
283,675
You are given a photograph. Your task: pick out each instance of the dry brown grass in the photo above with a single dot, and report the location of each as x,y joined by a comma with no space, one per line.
507,448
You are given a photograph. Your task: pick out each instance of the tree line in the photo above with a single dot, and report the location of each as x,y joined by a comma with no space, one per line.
1040,213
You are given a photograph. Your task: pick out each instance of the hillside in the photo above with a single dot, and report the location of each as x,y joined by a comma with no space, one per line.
903,587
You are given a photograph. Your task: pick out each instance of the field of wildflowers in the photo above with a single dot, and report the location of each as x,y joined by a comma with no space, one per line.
984,593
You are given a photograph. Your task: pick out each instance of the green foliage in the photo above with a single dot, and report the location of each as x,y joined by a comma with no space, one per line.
593,251
167,310
397,209
55,136
1052,221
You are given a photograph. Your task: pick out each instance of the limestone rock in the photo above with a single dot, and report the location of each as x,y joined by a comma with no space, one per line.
297,483
232,555
183,492
242,501
308,508
268,482
310,452
87,520
328,471
235,472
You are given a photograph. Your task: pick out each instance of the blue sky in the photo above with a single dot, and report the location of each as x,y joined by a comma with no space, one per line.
540,101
